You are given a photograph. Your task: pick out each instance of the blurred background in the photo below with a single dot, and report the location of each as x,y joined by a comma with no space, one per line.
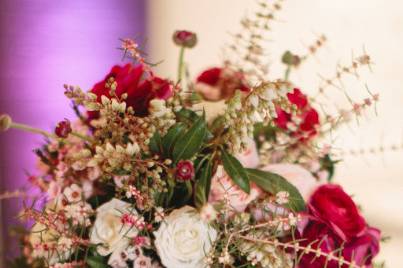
47,44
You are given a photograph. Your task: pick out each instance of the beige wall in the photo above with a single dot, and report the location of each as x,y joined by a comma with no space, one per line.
376,181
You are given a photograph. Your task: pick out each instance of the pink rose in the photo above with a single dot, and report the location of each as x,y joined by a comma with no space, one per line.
301,178
249,158
222,184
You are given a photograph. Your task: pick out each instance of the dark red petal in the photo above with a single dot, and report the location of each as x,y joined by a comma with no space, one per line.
282,118
298,98
210,76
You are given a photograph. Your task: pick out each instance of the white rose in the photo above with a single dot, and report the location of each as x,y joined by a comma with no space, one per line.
109,232
184,239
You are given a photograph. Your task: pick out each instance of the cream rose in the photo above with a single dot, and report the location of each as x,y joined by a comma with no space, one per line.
301,178
109,233
184,239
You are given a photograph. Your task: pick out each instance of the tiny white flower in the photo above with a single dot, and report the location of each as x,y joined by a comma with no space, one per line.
282,197
254,100
157,107
159,214
110,148
208,213
120,149
132,148
115,105
73,193
105,100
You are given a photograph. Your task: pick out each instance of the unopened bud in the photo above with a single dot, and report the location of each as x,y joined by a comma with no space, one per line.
5,122
63,129
185,39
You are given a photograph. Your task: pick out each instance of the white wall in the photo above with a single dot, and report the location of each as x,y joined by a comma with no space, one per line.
376,181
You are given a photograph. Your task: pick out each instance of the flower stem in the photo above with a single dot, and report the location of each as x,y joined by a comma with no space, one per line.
287,73
32,130
43,132
181,63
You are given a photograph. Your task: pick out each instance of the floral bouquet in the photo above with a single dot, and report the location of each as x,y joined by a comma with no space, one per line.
149,176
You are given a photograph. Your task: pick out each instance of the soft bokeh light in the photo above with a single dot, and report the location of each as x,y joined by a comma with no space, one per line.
44,44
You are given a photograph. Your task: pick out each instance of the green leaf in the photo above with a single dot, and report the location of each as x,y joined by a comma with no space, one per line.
169,140
236,171
202,186
156,143
274,183
96,262
187,116
190,143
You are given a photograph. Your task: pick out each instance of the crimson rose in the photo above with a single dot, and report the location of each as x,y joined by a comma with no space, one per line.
360,249
334,223
331,205
140,90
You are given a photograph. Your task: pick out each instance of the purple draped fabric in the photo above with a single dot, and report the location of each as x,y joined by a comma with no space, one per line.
44,44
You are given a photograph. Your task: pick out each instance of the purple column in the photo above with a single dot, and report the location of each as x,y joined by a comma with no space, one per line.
44,44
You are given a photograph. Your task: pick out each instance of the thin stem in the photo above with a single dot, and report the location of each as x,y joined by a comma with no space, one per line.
78,135
181,63
32,130
287,73
45,133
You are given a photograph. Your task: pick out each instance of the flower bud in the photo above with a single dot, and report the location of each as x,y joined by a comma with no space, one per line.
63,129
5,122
185,39
185,170
290,59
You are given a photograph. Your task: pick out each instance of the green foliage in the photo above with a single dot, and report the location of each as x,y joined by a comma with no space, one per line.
267,131
169,140
328,163
97,262
191,141
274,183
202,186
94,260
186,116
156,143
236,171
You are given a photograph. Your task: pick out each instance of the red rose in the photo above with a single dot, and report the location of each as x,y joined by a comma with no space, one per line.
140,90
364,247
331,205
318,235
220,83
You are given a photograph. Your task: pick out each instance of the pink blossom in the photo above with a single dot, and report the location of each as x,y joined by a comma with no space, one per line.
54,190
224,189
